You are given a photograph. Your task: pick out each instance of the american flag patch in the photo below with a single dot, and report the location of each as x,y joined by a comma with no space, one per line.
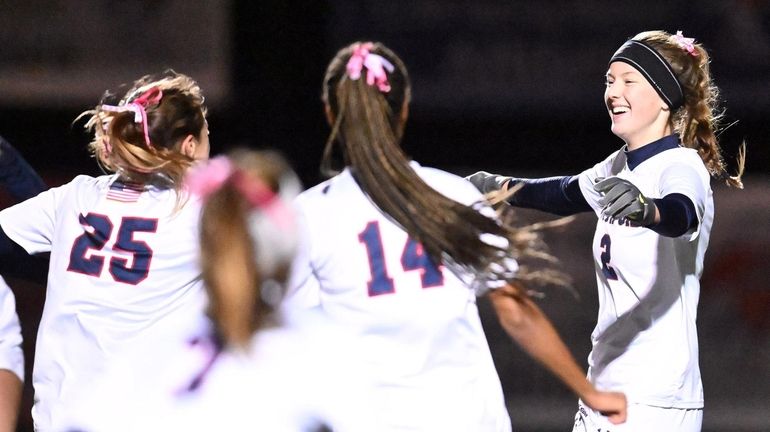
125,191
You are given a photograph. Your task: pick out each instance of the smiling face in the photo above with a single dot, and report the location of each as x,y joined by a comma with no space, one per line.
639,115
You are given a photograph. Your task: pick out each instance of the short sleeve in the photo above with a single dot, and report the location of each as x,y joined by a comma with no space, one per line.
303,289
11,355
31,223
690,181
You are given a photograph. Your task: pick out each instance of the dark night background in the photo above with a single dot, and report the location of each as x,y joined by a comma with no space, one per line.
506,86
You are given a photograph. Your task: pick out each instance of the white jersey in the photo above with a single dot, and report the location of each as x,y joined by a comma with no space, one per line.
11,354
299,373
123,264
417,324
645,342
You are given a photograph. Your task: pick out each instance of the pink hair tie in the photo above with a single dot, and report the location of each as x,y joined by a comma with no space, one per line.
375,64
138,107
685,43
204,180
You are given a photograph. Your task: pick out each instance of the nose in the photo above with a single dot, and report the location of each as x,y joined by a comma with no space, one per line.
612,91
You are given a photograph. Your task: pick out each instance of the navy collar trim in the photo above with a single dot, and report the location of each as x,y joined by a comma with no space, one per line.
635,157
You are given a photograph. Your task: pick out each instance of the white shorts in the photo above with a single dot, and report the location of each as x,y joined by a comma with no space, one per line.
641,418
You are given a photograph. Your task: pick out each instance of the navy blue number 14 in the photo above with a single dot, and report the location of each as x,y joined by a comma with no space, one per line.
412,258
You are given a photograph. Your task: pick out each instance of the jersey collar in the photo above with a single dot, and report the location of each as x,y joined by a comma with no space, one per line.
636,157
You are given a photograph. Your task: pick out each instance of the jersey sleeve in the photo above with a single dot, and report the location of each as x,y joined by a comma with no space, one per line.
303,288
31,223
690,181
11,355
589,177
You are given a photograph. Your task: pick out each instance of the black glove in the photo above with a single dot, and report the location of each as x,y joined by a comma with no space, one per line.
486,182
621,199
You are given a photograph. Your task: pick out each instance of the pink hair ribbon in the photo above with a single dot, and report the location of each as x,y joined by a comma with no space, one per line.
375,64
138,107
686,43
204,180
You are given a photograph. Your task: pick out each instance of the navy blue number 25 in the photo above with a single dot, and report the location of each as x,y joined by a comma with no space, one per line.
412,258
606,256
98,231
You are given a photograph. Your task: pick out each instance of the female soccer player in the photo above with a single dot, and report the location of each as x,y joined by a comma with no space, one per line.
398,253
123,247
255,367
655,210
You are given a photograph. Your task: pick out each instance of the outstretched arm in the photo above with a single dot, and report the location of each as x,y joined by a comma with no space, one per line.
526,324
16,175
557,195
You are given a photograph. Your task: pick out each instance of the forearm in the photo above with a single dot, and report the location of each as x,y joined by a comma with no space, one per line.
675,215
10,399
557,195
526,324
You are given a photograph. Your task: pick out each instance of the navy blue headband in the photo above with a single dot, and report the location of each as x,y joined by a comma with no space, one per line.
654,68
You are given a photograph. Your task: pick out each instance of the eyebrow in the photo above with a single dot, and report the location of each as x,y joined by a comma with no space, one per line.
633,72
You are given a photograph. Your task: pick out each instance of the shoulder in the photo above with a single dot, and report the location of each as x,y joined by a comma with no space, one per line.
448,184
681,162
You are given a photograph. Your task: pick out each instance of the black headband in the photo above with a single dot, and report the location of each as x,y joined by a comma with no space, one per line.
654,68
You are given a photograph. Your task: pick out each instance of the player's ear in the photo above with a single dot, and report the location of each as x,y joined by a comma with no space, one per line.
329,114
189,144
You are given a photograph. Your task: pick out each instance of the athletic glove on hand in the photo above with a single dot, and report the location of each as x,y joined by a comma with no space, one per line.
621,199
486,182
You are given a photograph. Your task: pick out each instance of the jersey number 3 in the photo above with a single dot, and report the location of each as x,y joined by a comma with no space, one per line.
98,231
412,258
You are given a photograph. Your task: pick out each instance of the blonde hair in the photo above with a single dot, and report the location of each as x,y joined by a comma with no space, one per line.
119,143
697,121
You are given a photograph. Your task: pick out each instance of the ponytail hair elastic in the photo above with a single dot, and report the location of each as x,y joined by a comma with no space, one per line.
139,107
376,66
687,44
271,220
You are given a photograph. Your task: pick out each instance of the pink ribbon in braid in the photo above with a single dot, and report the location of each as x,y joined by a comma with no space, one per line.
139,107
376,66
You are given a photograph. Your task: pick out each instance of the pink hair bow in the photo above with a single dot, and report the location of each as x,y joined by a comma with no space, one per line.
138,107
686,43
375,64
204,180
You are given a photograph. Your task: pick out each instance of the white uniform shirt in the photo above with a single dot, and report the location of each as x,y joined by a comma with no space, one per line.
645,342
297,375
11,354
418,326
123,264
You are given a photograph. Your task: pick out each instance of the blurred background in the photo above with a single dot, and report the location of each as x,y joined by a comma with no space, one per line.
505,86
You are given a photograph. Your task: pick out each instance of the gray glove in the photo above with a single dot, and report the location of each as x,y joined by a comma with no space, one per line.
486,182
621,199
